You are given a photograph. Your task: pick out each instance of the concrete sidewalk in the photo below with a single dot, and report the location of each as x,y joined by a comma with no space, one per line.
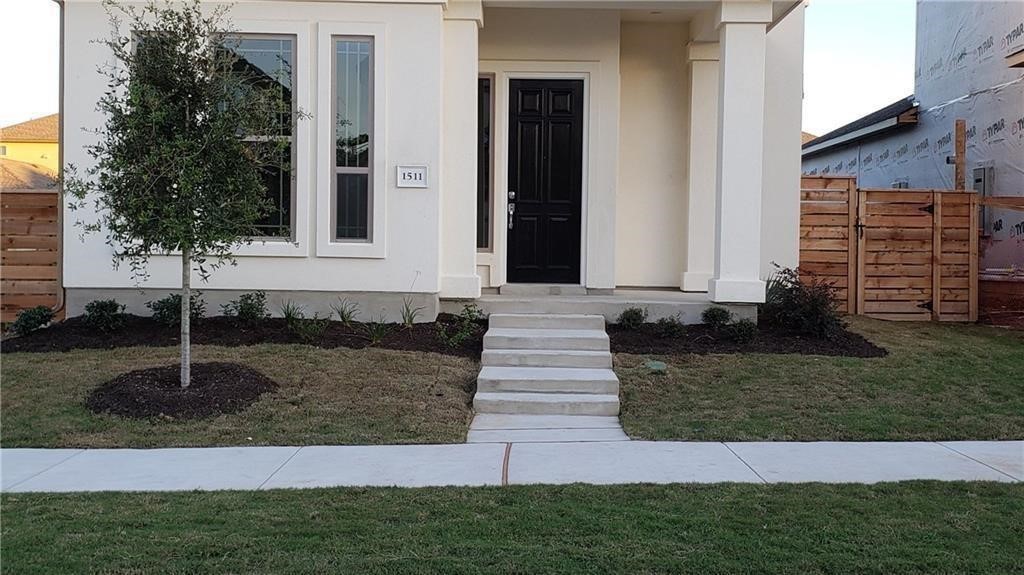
64,470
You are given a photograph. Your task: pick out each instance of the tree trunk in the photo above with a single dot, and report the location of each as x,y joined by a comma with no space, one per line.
186,317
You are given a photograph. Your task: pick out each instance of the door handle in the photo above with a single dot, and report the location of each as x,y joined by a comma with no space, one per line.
511,212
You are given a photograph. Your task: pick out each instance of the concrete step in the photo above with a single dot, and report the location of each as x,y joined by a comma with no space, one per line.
546,403
545,435
547,339
608,307
546,358
534,290
547,380
489,421
546,321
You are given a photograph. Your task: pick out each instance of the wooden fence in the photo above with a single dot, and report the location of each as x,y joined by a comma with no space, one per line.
29,251
893,254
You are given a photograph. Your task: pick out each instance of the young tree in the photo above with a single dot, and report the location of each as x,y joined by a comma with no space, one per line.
179,164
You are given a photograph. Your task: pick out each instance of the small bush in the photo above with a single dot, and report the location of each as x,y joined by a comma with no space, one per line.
669,327
632,318
409,313
376,329
346,310
716,317
806,307
105,315
292,312
168,310
310,330
743,331
249,308
466,325
31,319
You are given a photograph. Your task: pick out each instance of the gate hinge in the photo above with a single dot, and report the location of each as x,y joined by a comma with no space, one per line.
930,208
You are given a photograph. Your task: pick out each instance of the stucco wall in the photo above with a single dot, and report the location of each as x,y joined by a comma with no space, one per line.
411,51
39,153
780,202
530,42
651,200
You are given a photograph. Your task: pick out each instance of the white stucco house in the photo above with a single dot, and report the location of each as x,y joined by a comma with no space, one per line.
456,149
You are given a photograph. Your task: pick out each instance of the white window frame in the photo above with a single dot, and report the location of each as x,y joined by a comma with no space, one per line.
326,244
302,184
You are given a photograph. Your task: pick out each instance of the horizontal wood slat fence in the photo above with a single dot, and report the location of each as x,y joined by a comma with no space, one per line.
29,251
892,254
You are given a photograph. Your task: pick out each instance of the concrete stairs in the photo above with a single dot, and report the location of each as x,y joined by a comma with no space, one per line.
546,377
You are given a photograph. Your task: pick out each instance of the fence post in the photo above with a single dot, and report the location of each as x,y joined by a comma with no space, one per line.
936,256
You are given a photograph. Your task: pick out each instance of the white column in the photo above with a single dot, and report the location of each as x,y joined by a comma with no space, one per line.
740,160
458,177
702,161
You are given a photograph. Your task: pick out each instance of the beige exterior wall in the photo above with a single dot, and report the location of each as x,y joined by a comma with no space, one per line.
43,154
780,203
651,200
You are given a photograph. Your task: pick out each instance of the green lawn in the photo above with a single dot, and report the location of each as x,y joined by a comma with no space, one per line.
940,381
336,396
904,528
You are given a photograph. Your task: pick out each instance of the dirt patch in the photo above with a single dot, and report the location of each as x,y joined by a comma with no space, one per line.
216,388
701,339
75,333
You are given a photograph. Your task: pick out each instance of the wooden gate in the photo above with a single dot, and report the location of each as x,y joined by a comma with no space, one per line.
892,254
29,251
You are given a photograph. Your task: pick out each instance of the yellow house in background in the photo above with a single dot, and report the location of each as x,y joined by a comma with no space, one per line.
32,142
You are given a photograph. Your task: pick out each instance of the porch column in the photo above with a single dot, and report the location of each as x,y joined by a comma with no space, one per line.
742,34
462,21
703,153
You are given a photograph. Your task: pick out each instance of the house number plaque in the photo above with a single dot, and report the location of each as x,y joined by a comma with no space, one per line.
412,176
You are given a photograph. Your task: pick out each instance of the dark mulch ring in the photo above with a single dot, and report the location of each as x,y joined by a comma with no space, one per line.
75,333
703,339
215,388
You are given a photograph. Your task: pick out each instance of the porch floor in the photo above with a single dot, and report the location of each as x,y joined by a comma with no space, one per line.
659,304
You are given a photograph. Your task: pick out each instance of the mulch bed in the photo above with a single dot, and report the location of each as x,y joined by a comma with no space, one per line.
216,388
702,340
75,333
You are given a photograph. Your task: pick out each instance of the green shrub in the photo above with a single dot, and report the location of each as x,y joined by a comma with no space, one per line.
377,329
168,310
808,307
409,313
346,310
292,312
632,318
716,317
31,319
465,326
105,315
310,330
743,331
249,308
669,327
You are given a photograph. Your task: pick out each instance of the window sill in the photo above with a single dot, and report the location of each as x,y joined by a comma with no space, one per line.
368,250
272,248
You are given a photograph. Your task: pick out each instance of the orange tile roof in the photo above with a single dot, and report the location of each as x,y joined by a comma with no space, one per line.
43,129
805,137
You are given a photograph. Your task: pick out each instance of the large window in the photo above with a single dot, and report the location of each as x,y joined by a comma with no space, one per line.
352,102
267,62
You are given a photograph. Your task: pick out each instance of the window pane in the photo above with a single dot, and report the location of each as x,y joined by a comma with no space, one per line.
352,102
483,170
352,205
278,180
267,64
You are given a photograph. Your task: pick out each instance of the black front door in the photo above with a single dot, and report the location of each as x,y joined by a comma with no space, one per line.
545,180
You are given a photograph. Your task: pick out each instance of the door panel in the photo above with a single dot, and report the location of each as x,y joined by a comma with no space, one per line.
545,175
